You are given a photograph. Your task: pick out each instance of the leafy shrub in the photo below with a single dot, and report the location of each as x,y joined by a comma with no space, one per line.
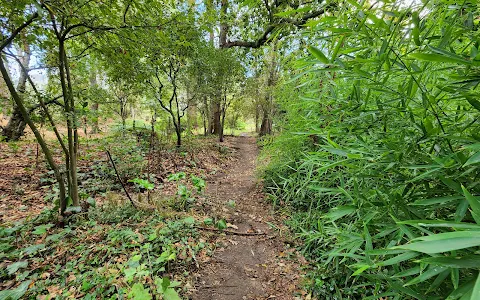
381,162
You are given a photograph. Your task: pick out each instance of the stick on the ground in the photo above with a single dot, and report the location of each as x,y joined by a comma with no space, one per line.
119,179
230,231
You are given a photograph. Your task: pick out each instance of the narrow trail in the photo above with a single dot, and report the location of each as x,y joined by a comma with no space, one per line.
246,267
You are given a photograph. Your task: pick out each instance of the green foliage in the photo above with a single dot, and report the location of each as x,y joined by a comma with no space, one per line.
221,224
185,197
115,251
143,183
379,152
176,176
16,293
198,183
165,287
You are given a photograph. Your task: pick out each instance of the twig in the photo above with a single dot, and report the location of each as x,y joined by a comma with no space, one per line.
230,231
216,286
119,179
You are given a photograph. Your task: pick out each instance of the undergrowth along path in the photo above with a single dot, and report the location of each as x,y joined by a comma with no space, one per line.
254,266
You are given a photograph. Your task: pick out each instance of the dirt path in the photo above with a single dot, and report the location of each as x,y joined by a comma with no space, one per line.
246,267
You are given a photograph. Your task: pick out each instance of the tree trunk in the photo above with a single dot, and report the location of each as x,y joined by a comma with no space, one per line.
220,134
178,128
222,40
266,127
257,118
95,126
94,107
205,133
207,115
178,131
15,127
210,12
132,111
72,136
223,23
16,124
216,114
46,151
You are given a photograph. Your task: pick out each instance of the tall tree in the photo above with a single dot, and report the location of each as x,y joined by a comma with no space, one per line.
16,124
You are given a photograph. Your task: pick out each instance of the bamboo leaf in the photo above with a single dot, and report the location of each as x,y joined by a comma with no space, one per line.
439,200
441,223
461,262
474,159
318,54
432,271
399,258
474,204
439,58
339,212
476,289
444,242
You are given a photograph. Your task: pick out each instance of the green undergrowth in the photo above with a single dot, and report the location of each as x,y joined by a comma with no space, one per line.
108,252
378,161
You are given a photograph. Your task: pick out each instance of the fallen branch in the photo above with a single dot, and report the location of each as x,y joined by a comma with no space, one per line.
226,231
119,179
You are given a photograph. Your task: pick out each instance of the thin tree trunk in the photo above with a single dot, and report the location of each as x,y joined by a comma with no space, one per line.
71,127
210,11
216,115
95,128
46,151
266,127
204,124
132,111
179,136
207,114
257,118
222,128
177,127
15,127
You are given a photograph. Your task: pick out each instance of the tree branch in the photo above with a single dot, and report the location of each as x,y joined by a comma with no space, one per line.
8,40
125,13
264,38
42,103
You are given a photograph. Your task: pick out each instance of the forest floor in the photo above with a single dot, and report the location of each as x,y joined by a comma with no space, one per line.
228,244
262,264
26,184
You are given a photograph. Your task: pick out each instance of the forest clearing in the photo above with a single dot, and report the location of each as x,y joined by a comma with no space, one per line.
239,149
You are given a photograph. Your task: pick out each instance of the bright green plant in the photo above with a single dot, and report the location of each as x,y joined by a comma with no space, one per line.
143,184
176,176
379,156
165,287
198,183
185,196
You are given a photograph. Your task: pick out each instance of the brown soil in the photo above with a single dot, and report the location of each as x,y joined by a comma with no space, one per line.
246,267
